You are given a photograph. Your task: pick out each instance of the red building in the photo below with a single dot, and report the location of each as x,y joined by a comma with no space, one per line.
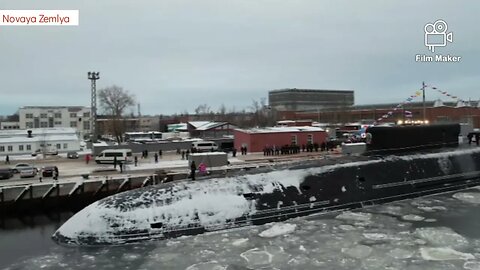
257,139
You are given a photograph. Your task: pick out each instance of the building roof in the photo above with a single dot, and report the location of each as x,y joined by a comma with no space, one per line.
309,90
38,135
206,125
197,124
6,133
48,138
281,129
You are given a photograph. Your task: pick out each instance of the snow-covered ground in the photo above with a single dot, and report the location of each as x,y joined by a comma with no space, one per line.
439,232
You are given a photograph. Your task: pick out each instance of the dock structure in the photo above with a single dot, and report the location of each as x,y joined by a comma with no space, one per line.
74,193
58,194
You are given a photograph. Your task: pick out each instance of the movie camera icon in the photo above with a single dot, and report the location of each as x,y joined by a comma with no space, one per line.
436,35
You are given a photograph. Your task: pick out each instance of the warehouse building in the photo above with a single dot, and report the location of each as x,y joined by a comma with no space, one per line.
38,140
293,99
257,139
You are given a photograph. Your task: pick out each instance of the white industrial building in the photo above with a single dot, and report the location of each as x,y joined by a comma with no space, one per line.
27,141
77,117
9,125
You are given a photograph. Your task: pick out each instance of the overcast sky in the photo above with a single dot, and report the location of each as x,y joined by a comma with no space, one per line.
174,55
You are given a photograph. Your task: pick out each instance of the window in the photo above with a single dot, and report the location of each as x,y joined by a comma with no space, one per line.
86,125
29,147
29,115
73,124
309,139
20,148
43,115
110,154
58,115
10,148
73,115
59,146
58,123
2,148
65,145
43,124
294,139
86,114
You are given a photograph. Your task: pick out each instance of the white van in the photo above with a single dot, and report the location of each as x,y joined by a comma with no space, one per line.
108,156
205,146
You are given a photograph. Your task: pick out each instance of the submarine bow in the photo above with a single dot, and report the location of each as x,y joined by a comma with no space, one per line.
165,210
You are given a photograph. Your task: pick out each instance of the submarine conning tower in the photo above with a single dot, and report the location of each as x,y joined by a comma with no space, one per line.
398,139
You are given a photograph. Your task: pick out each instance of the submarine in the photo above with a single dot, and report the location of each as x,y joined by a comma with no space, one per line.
400,162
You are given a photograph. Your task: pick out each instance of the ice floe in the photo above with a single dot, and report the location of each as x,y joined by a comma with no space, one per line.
278,229
470,197
380,236
256,257
240,241
400,253
347,227
358,251
472,265
441,237
213,265
412,217
355,216
444,254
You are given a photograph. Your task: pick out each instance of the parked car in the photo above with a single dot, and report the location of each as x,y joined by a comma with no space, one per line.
36,152
19,166
5,173
28,172
52,152
48,171
72,155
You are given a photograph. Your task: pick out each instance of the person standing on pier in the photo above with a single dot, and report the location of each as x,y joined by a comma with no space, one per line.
87,158
55,173
193,168
135,159
115,162
155,157
7,160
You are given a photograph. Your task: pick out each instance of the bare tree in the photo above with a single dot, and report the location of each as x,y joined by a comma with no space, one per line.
115,100
202,109
260,112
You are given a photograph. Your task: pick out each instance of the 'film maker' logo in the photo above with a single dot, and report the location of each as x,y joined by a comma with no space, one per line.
436,35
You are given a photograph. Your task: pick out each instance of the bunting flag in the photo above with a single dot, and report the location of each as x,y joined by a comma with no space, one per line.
400,105
446,93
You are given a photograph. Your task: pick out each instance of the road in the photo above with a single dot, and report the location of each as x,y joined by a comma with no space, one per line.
73,169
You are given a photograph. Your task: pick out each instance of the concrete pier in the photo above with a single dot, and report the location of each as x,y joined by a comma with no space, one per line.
54,195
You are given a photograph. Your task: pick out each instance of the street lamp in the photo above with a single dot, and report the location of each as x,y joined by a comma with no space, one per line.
93,77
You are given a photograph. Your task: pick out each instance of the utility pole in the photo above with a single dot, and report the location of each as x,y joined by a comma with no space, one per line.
93,77
424,108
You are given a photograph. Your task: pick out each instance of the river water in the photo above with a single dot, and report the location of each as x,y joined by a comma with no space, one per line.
436,232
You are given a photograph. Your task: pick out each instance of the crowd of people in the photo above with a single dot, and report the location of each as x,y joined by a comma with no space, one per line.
295,149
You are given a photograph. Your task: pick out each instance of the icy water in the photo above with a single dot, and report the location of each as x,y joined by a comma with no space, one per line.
436,232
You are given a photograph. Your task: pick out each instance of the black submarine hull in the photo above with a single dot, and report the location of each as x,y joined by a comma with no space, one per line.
194,207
